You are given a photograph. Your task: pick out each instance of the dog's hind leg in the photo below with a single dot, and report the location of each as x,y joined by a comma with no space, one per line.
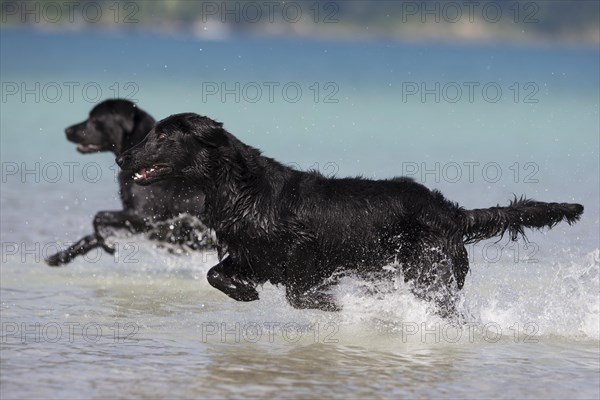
430,266
83,246
223,277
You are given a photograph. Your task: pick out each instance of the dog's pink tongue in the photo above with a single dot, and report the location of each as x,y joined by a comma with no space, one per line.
141,174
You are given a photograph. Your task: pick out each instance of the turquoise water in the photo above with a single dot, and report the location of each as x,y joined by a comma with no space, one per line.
147,324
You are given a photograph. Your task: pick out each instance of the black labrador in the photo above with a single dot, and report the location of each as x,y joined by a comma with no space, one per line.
163,211
303,230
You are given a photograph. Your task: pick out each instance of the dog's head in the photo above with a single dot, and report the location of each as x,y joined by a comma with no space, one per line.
183,145
113,125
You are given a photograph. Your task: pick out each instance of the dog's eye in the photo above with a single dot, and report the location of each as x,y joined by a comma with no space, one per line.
162,137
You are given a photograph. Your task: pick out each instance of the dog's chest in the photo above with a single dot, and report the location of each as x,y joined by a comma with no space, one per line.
161,200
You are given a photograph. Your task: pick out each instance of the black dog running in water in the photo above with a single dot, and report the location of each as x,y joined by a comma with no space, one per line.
117,125
300,229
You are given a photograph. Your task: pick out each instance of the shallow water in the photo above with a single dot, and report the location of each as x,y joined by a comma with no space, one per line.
145,323
107,329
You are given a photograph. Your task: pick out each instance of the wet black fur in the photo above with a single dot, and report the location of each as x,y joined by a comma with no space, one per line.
115,126
300,229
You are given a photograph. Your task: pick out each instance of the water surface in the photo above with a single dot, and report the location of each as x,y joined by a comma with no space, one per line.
147,324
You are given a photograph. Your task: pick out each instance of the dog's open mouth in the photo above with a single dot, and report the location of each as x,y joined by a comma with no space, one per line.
88,148
145,175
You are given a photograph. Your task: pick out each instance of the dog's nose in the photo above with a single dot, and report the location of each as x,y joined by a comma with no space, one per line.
69,131
122,160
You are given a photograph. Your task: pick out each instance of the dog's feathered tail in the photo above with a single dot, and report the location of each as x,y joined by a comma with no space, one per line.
521,213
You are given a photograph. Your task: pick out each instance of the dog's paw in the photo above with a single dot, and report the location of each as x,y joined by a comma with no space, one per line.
57,260
232,286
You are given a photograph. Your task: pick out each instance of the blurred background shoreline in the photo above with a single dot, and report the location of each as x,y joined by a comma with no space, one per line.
573,23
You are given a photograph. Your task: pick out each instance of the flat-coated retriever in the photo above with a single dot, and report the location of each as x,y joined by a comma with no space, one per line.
302,230
117,125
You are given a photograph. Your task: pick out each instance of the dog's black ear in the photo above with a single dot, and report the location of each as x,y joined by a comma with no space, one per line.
128,121
209,131
141,124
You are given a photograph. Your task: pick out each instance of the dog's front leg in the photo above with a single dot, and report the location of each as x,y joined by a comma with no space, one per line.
83,246
105,222
119,220
223,277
